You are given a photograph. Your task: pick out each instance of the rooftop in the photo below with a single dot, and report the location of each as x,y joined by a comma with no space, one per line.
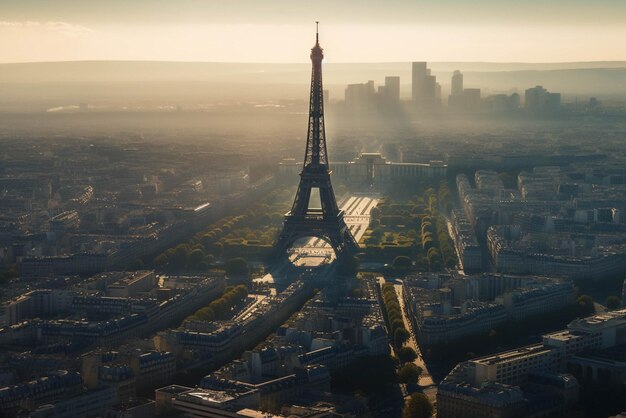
530,350
206,396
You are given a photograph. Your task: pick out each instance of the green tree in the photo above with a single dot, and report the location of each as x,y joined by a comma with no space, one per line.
432,253
160,260
196,257
237,267
191,318
407,354
393,316
205,314
207,239
418,406
585,305
180,257
242,291
217,249
392,303
409,373
400,336
612,303
427,241
395,325
197,246
220,307
402,263
421,264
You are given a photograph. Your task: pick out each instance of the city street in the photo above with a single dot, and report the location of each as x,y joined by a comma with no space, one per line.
426,380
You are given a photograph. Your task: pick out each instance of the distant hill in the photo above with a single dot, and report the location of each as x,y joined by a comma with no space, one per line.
59,83
110,71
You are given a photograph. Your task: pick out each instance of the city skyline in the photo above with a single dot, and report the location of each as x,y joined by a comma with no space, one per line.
246,31
166,252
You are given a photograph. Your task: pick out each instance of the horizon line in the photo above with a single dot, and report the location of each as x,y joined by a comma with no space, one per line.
306,62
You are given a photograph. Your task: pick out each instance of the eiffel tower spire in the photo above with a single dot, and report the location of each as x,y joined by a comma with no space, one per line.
316,138
326,222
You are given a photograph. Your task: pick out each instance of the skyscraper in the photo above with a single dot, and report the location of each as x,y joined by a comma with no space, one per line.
540,101
462,99
360,96
392,89
425,89
457,83
418,81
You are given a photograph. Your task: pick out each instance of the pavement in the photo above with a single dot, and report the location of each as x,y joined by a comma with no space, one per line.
425,381
246,312
314,252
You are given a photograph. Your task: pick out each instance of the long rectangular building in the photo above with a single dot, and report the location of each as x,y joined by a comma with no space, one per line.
372,168
490,386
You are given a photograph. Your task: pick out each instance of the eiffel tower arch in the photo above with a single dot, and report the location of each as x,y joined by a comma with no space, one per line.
327,222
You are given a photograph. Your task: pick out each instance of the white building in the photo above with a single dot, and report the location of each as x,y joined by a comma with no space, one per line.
371,168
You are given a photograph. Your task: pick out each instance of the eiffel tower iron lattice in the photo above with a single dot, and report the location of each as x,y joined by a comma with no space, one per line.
326,222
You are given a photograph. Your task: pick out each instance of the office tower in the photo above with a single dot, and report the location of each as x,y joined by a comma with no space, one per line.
457,83
360,96
471,98
467,102
540,101
392,89
425,89
418,81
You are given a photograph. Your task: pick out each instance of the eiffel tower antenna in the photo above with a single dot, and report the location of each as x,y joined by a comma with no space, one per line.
326,222
317,32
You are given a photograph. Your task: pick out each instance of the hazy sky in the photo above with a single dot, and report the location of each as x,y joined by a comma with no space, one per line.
283,30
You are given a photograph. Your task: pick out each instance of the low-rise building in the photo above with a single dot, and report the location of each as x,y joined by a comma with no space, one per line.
219,401
372,168
90,403
465,242
505,384
471,305
58,385
132,283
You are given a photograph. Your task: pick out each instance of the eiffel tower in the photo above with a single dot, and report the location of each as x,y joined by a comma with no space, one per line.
326,222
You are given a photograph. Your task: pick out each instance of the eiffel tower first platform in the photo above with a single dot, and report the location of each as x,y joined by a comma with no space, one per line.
326,222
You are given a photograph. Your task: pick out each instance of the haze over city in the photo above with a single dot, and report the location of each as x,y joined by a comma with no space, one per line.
281,208
276,31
